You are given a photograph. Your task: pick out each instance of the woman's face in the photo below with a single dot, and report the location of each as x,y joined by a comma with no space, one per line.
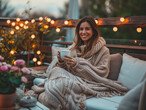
85,31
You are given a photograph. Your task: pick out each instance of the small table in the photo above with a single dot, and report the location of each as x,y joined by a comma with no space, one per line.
38,106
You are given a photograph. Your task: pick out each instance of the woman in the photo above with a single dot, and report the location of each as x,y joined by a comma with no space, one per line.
73,79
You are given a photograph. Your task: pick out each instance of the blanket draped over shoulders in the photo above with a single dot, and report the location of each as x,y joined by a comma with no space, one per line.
68,87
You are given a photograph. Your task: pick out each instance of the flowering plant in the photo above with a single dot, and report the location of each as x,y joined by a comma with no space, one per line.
12,76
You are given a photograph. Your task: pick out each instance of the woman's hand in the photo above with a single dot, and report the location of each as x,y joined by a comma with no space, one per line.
59,58
70,61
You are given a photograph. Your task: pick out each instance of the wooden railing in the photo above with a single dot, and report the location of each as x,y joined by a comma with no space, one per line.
136,51
102,22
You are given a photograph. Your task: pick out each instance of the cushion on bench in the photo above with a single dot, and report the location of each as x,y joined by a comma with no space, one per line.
132,71
115,65
104,103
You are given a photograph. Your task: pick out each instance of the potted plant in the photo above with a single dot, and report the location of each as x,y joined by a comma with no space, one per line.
11,77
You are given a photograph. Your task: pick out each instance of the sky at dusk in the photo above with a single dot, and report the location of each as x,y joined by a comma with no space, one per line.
50,6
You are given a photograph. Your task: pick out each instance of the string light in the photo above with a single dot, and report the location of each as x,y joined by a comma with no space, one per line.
33,20
26,22
135,41
46,26
96,21
57,29
52,22
66,22
139,29
12,52
11,41
48,19
8,21
32,36
25,27
17,27
122,19
38,52
40,18
21,24
13,23
34,59
12,32
33,45
17,19
39,62
115,29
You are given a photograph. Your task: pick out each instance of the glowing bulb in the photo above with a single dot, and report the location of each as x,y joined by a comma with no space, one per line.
46,26
11,42
32,36
12,52
39,62
96,21
33,46
115,29
13,24
17,28
38,52
122,19
52,21
8,21
139,29
26,22
34,59
33,20
57,29
41,18
17,19
135,41
25,27
66,22
12,32
21,24
48,19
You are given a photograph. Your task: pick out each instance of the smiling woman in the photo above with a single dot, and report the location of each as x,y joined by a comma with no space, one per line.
48,6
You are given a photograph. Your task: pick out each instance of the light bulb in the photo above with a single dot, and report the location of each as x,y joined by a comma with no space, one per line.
115,29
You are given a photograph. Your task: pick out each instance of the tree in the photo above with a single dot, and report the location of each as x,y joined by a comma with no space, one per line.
5,11
116,8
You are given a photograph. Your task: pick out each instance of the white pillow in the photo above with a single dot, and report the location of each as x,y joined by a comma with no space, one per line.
132,71
55,51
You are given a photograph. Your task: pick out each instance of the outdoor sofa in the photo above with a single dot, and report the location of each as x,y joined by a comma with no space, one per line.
129,71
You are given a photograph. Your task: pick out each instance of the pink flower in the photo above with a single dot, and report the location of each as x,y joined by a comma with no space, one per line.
24,79
25,70
4,68
1,58
19,63
14,69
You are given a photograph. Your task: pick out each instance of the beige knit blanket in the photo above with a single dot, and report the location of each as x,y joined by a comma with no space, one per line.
67,87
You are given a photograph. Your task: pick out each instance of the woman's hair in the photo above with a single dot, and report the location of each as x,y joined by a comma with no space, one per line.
94,37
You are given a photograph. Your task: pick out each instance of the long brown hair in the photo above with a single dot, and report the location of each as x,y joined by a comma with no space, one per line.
94,37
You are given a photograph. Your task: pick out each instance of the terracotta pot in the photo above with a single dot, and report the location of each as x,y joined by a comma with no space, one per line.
7,101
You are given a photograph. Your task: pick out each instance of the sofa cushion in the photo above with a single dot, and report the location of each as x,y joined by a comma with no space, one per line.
115,65
131,101
104,103
132,71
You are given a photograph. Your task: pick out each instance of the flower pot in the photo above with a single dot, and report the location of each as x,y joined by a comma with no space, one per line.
7,101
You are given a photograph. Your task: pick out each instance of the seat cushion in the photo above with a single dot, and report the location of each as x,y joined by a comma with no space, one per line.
104,103
115,65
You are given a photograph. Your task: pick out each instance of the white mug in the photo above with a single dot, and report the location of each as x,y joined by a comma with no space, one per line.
64,53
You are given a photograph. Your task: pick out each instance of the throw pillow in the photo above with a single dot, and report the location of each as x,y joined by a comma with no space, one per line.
132,71
134,98
115,65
